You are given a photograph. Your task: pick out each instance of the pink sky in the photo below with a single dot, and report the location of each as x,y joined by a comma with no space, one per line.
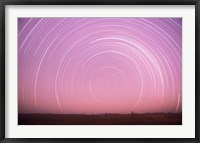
99,65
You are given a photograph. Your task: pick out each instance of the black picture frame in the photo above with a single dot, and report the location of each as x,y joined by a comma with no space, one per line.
3,71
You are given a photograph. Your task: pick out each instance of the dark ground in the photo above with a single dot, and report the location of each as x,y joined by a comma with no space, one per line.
101,119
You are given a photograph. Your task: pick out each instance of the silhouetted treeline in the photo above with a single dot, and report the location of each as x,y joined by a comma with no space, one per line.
101,119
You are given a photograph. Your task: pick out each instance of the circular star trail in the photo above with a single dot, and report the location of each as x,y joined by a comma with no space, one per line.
99,65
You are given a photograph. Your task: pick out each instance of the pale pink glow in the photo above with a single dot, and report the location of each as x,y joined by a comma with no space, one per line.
99,65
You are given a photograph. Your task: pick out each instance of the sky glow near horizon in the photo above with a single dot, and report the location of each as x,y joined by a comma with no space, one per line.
99,65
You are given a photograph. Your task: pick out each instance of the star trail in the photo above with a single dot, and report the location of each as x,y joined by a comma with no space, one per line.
99,65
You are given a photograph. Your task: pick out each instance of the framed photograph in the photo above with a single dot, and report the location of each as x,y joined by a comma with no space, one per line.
122,71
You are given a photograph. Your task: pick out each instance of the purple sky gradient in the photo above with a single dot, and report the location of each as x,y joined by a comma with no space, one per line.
99,65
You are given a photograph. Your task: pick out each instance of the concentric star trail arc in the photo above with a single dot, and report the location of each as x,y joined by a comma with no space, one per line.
99,65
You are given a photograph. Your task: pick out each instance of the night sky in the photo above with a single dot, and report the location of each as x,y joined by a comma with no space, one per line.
99,65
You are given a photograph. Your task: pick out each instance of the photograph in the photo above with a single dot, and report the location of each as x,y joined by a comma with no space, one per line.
99,71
